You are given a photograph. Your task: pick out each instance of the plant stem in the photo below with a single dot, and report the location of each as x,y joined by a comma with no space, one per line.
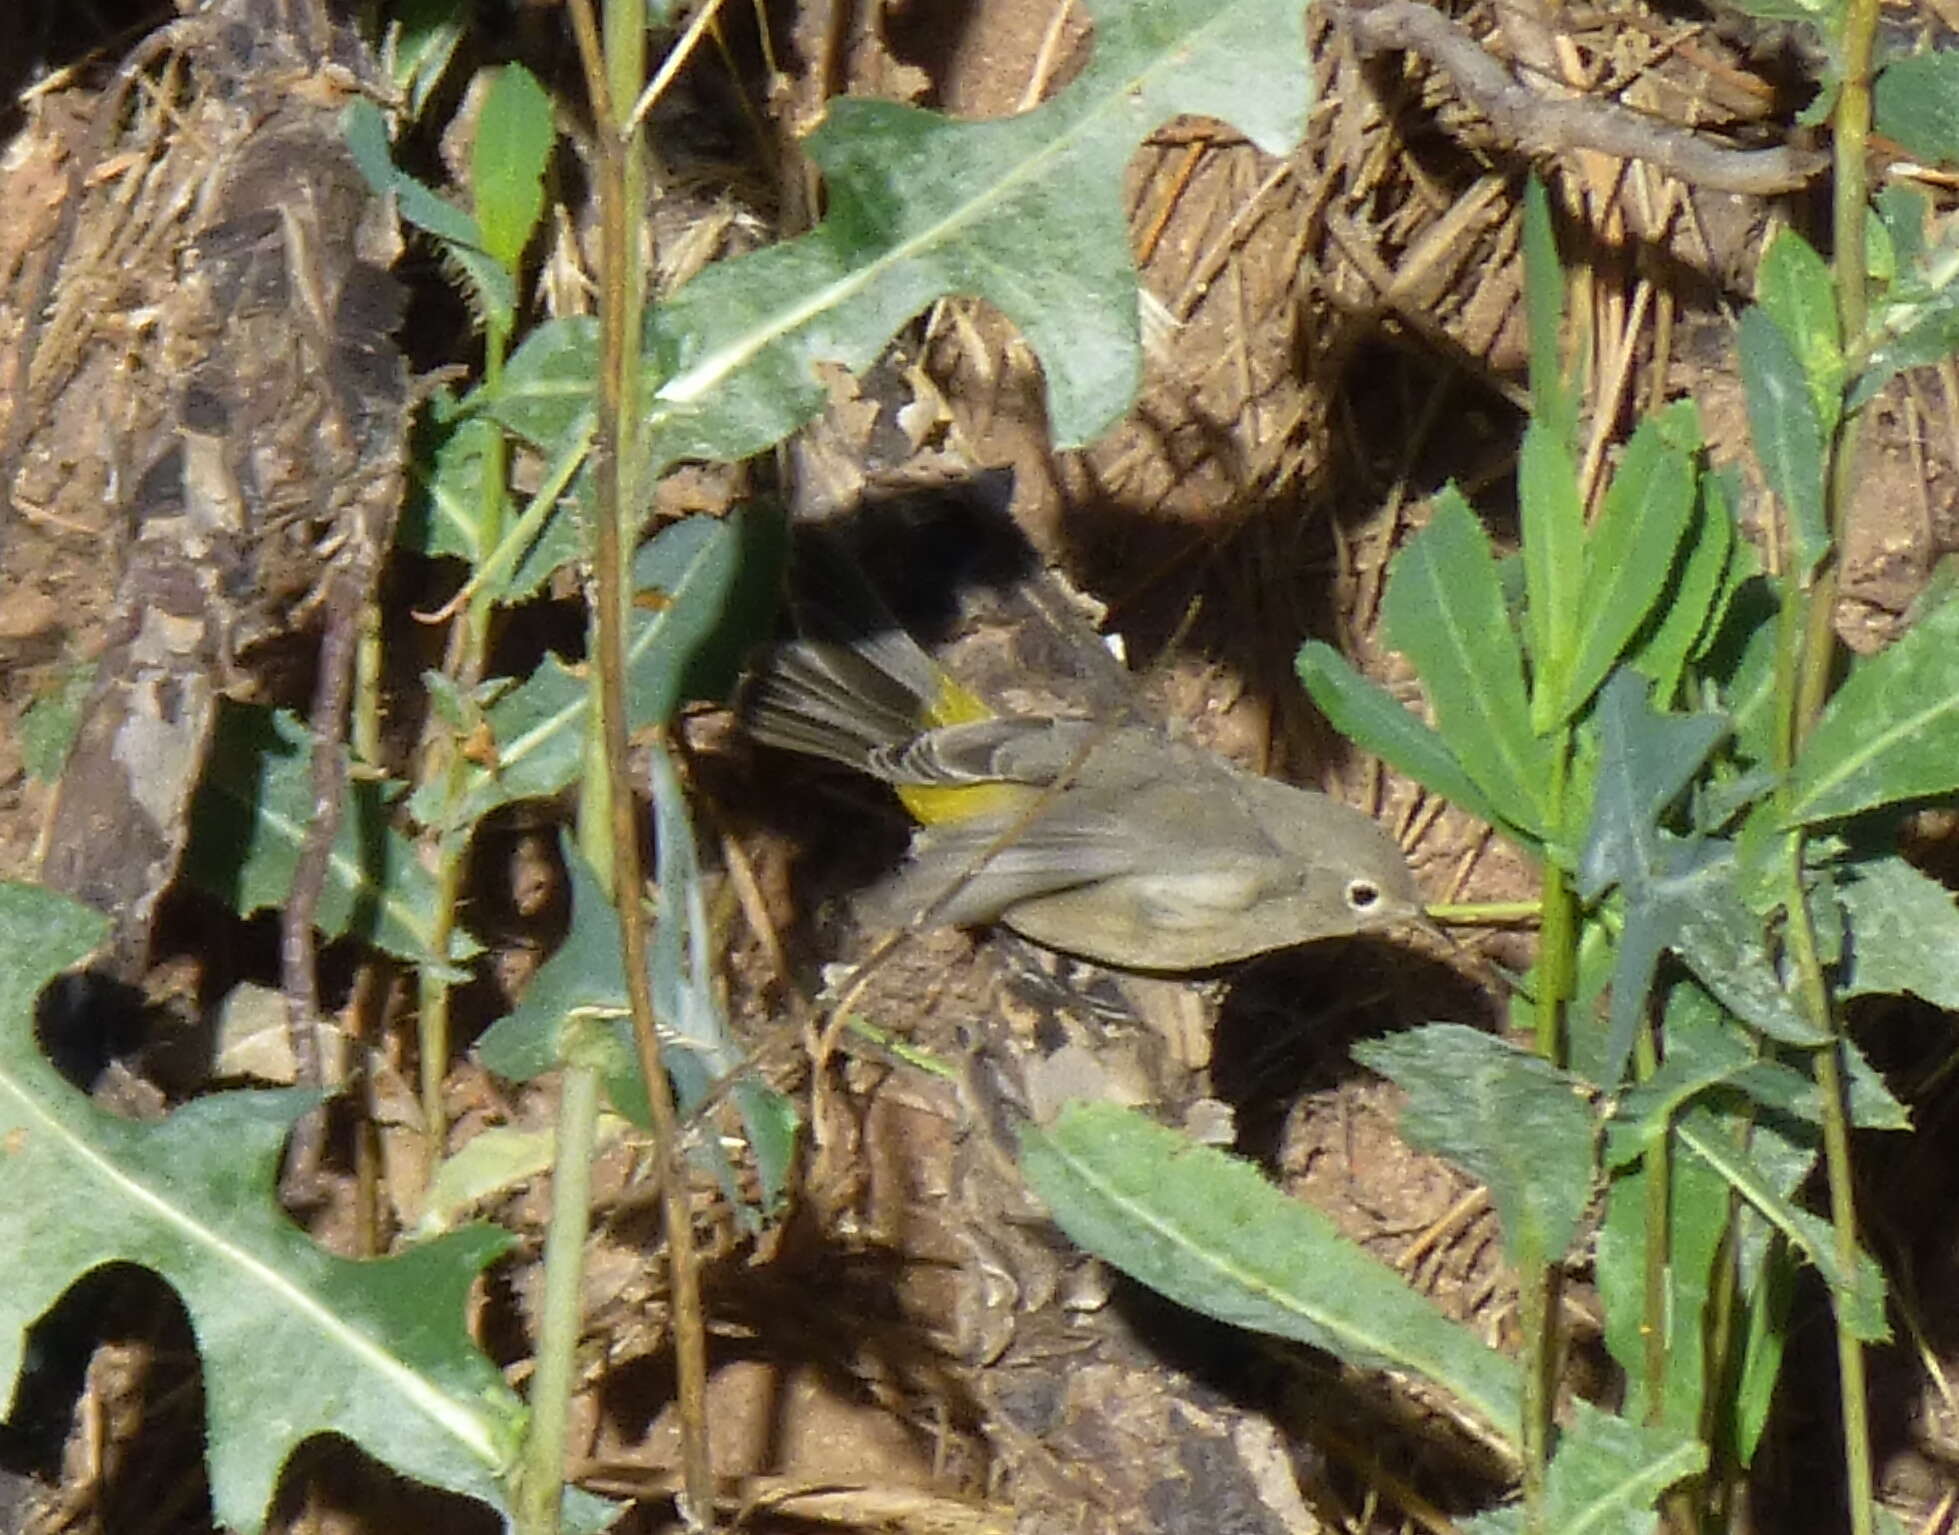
540,1488
621,171
1852,125
1540,1278
469,654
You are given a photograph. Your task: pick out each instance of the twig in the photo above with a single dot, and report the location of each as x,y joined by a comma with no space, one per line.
1546,125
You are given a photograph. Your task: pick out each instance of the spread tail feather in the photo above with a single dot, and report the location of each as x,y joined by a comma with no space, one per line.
840,701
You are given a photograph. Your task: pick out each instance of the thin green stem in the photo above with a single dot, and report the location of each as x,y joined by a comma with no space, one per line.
1541,1278
468,656
540,1485
1814,991
1852,124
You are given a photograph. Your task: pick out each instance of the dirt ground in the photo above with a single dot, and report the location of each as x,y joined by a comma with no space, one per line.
911,1349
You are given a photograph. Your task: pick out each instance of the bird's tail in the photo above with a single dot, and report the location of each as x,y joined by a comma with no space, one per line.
855,683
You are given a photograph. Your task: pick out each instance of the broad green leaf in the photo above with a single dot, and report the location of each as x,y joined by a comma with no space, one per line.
1904,210
1704,1051
1723,943
1915,101
294,1341
539,743
1787,433
1025,212
1604,1478
1510,1119
1631,554
1891,733
443,512
1444,611
1375,720
1915,318
250,820
1918,326
1740,659
1904,932
1207,1230
716,584
514,136
509,559
1553,521
1647,760
545,395
1796,291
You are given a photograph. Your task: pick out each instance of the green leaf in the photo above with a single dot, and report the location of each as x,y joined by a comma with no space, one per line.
1509,1119
1025,212
1375,720
1904,932
514,136
1723,943
1553,521
249,823
1891,733
492,1163
574,1004
1795,289
576,1009
1694,1227
1208,1231
1904,211
47,728
294,1341
1679,891
1767,1304
1630,556
710,577
1788,435
545,396
1554,410
1826,16
718,584
1444,611
1915,101
448,514
1710,568
1859,1290
696,1042
1605,1477
426,33
460,239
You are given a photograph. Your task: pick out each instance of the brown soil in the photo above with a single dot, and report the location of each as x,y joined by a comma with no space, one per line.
912,1349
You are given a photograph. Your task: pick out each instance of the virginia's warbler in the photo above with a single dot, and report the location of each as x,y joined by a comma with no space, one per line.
1150,854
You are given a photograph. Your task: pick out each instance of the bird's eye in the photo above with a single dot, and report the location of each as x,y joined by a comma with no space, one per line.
1363,894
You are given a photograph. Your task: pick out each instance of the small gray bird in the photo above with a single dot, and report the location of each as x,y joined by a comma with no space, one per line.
1115,843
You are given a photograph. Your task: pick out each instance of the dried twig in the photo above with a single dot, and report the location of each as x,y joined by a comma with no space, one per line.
1549,125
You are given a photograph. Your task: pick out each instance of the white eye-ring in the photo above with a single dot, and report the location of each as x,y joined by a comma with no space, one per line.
1363,895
